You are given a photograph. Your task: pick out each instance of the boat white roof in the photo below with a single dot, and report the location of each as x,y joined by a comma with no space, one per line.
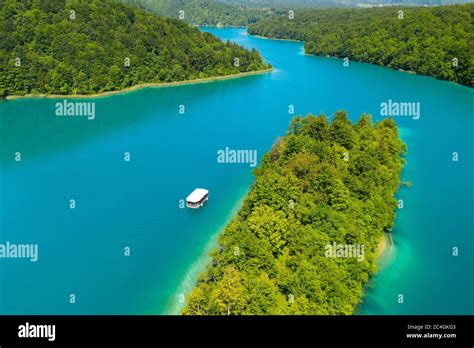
197,195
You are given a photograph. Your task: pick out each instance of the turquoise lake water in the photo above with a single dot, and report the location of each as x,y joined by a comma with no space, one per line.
136,204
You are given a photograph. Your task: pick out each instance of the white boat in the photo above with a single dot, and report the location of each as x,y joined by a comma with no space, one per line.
197,198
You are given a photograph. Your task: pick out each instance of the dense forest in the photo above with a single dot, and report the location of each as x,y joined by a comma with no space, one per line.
321,183
94,46
433,41
205,12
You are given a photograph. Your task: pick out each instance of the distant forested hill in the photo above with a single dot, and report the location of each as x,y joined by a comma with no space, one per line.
204,12
94,46
433,41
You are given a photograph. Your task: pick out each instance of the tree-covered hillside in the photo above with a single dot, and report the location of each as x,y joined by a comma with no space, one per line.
204,12
433,41
94,46
334,3
320,184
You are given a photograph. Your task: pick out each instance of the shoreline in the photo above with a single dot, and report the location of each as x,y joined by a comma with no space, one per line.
191,277
382,246
410,72
217,27
381,250
138,87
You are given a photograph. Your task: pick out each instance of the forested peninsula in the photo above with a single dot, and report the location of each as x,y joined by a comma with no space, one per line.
433,41
322,184
67,47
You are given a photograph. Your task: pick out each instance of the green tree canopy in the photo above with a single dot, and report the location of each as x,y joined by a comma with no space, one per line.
310,192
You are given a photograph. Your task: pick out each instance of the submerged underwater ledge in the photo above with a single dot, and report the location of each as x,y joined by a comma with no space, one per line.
309,234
